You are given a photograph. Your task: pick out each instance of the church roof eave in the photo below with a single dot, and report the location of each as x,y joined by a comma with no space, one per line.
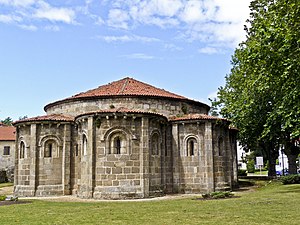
46,118
122,110
197,117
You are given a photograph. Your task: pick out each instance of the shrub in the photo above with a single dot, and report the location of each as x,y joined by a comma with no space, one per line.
217,195
242,172
251,166
2,198
290,179
3,177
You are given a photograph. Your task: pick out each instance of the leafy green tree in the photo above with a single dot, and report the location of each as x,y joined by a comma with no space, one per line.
262,93
8,121
23,117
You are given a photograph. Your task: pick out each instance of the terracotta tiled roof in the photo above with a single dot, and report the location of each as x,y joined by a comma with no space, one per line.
196,117
127,86
52,117
7,133
124,87
120,110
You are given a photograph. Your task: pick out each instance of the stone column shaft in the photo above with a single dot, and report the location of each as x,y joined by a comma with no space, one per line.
144,157
209,157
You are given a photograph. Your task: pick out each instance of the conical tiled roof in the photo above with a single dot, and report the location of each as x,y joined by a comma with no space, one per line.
123,88
127,87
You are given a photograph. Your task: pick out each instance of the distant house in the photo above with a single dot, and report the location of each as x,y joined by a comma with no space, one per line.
7,146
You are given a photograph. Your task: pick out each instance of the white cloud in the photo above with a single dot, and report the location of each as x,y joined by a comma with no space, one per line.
52,28
29,27
192,12
55,14
118,18
213,21
138,56
22,12
127,38
22,3
172,47
9,18
208,50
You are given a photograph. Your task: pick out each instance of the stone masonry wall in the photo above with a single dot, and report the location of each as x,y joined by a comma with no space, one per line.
39,174
166,107
222,158
116,176
7,161
191,167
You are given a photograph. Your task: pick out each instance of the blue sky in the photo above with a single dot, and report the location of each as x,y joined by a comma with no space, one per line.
51,49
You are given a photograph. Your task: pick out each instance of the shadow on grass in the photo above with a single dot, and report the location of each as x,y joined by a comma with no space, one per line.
4,203
291,188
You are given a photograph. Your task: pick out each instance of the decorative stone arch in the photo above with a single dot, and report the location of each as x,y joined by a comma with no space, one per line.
155,142
22,148
50,146
191,145
118,140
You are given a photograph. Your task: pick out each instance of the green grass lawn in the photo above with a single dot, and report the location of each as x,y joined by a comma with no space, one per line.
271,204
6,185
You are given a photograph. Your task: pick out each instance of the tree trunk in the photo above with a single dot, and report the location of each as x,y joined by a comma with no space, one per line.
272,154
291,152
272,166
292,163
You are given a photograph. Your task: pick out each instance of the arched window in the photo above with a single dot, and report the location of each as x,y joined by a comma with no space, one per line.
22,150
117,142
84,144
191,146
155,144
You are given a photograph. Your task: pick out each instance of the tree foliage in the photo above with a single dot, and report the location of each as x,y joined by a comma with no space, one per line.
262,93
8,121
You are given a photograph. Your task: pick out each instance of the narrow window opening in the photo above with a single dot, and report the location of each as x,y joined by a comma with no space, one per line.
192,146
118,145
84,143
76,150
6,150
48,150
155,144
22,150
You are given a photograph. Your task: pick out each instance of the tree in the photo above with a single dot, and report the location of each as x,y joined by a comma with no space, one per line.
8,121
261,95
23,117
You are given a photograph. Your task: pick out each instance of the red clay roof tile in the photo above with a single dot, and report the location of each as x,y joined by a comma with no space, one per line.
127,86
52,117
124,87
196,117
7,133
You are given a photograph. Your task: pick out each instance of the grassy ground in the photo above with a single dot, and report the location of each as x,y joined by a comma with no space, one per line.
271,204
6,185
